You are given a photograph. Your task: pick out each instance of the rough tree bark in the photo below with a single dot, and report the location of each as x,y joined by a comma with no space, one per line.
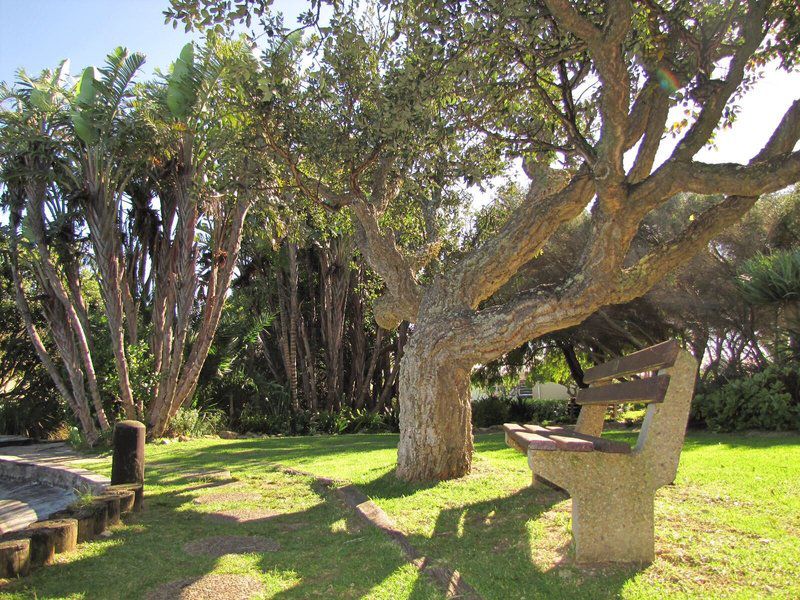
435,411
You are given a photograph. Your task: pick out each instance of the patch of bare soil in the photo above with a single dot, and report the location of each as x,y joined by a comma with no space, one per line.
230,544
205,475
228,497
218,587
243,515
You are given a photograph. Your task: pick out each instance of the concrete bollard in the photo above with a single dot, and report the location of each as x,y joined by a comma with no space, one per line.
127,465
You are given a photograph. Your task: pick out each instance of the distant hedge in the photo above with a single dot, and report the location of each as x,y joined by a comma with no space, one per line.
496,410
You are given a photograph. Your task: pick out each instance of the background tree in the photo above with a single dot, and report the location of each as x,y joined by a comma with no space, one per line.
702,304
43,233
205,187
148,189
29,404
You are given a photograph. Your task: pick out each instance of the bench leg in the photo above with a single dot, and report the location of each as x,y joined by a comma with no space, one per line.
613,528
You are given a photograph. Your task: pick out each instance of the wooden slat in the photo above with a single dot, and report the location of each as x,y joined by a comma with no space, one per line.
562,438
650,359
527,439
600,444
571,444
648,390
537,437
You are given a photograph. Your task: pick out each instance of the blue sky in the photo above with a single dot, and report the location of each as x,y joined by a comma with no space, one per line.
37,34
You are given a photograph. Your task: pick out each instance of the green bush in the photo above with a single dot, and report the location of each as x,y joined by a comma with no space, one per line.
362,421
766,400
75,438
253,420
534,410
490,410
496,410
307,422
192,422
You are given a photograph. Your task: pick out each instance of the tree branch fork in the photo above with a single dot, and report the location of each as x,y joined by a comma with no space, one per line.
619,202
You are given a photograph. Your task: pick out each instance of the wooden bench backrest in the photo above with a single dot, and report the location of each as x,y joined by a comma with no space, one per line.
653,358
668,395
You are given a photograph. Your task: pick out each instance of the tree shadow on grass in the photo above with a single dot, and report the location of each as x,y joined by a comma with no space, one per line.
518,546
322,552
322,452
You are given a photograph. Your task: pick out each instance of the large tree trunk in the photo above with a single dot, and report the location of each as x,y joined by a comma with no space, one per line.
435,411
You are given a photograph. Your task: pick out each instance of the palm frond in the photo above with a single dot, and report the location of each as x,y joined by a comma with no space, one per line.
116,77
770,278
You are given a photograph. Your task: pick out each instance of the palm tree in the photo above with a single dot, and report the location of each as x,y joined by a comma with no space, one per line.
104,162
42,234
206,185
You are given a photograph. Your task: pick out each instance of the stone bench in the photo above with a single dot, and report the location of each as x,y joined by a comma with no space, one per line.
611,484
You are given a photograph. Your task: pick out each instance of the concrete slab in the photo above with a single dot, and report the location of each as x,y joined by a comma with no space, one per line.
38,480
24,503
14,440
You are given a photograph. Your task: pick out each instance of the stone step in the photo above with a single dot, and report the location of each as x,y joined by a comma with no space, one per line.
24,503
38,480
14,440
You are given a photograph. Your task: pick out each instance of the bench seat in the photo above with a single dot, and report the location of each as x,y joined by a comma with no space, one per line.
536,437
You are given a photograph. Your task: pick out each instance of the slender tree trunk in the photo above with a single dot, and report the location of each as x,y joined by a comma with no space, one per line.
228,236
294,314
391,380
335,278
129,307
309,372
72,362
72,274
81,411
568,350
49,277
435,411
284,336
101,219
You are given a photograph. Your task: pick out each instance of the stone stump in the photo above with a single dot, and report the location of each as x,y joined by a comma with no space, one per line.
127,465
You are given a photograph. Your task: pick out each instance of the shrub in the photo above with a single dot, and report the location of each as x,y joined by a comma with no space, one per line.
362,421
490,410
251,419
307,422
534,410
496,410
75,438
192,422
765,400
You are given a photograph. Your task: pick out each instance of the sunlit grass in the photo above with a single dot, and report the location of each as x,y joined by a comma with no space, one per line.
728,528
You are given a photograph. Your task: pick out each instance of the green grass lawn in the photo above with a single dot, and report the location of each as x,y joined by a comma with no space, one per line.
728,528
